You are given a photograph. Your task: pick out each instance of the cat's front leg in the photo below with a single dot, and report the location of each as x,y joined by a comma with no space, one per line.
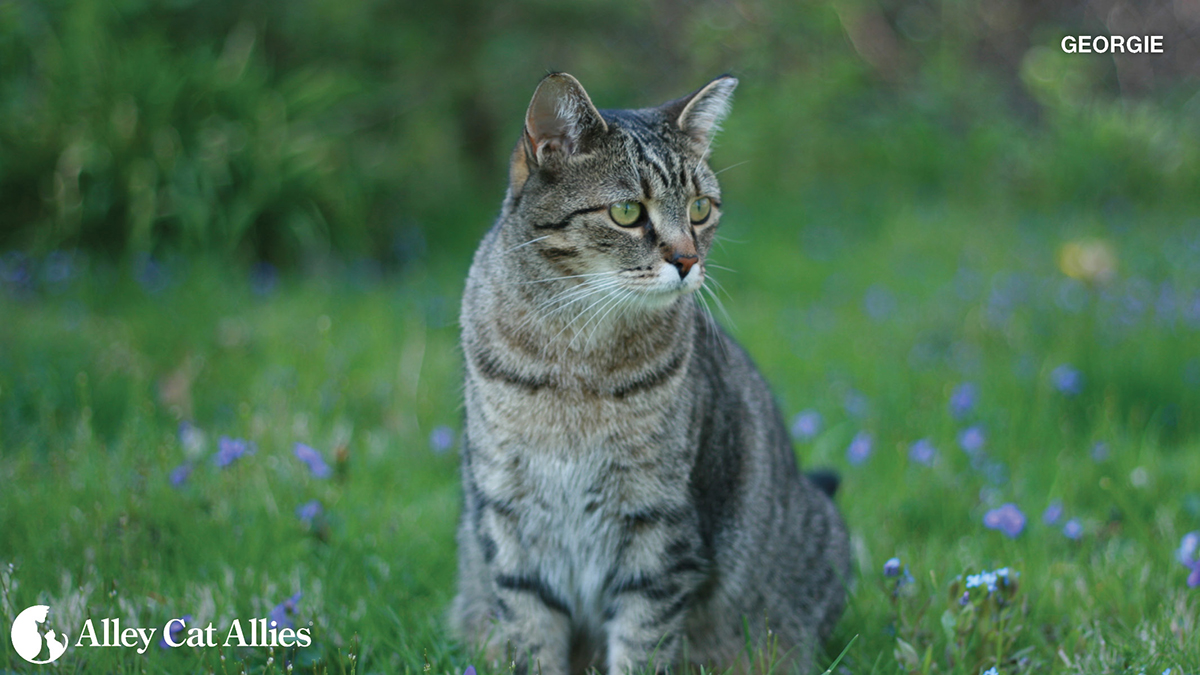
647,630
647,610
534,626
534,619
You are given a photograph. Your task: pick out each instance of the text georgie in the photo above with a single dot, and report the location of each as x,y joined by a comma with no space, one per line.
1117,44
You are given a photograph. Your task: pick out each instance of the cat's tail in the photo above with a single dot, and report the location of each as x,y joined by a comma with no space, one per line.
825,479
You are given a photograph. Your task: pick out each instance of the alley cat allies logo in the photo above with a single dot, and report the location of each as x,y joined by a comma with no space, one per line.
36,641
32,638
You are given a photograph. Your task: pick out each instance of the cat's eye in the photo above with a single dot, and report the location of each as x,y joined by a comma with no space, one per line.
700,210
625,214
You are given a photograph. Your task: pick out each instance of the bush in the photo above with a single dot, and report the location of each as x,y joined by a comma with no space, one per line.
301,130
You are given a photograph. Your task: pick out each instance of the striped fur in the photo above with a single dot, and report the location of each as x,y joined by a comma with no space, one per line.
630,492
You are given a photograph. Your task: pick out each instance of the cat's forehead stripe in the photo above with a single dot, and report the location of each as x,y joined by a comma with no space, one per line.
645,142
646,159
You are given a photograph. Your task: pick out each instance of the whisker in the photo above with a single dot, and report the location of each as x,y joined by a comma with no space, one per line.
710,324
575,318
732,166
569,276
565,299
628,293
720,267
531,241
704,309
720,286
583,288
613,300
720,305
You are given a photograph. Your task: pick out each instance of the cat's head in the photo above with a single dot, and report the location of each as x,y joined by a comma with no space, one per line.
621,198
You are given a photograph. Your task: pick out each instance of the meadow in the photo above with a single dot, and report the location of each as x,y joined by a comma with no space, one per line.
150,416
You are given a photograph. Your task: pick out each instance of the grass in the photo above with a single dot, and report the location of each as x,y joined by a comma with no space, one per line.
873,327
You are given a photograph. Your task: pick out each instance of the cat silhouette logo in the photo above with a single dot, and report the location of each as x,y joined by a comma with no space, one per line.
27,639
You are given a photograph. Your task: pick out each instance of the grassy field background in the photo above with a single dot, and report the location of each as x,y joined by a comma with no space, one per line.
968,264
874,333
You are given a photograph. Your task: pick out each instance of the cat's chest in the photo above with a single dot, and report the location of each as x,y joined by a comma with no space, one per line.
568,520
570,500
576,458
577,484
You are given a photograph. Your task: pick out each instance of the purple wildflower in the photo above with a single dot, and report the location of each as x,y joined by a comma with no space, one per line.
1053,513
281,614
313,459
971,439
469,671
1073,529
230,450
180,474
806,425
1193,579
309,511
1099,452
441,439
922,452
1067,380
891,568
1008,519
962,400
860,448
1189,546
965,599
176,627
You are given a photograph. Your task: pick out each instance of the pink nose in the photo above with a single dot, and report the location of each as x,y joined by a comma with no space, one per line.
683,262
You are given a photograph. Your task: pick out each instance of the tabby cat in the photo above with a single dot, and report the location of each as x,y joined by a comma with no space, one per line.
631,497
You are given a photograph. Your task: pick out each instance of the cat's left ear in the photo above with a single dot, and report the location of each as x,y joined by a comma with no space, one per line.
561,122
699,114
561,119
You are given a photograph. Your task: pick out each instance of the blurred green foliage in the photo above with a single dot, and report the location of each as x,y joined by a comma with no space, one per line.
295,131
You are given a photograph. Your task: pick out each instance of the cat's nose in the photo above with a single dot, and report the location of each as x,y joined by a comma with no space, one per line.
683,262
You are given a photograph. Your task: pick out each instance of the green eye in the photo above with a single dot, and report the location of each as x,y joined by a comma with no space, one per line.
625,213
700,210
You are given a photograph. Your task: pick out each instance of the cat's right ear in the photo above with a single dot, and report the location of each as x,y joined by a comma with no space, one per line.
699,114
559,124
